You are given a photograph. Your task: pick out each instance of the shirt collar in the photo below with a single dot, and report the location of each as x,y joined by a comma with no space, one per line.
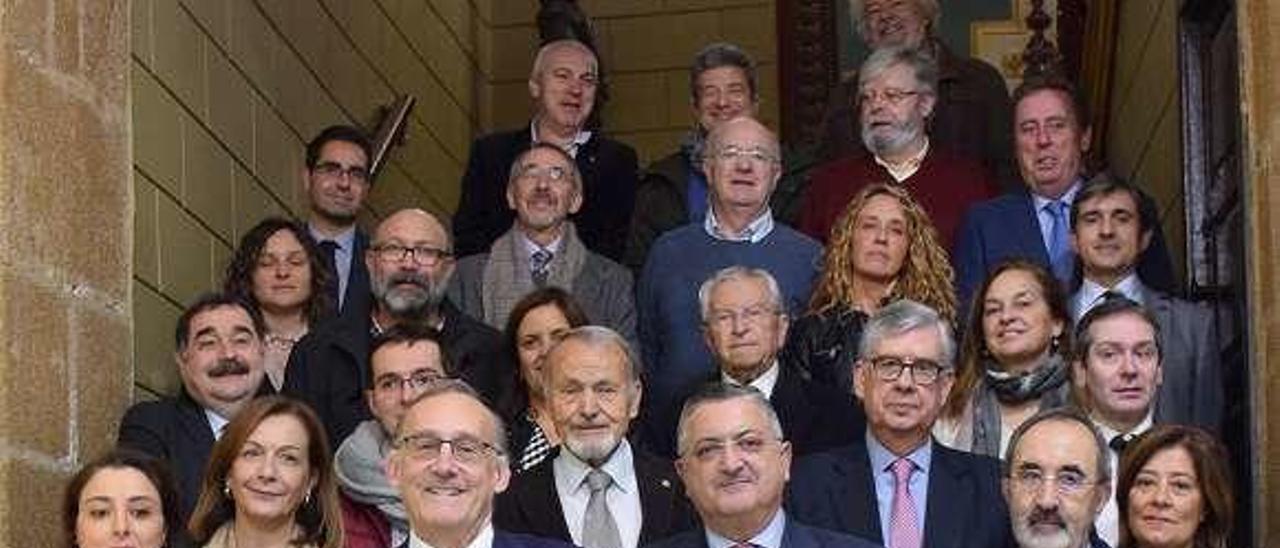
1108,432
1067,197
1091,291
903,170
572,147
882,458
531,246
216,422
754,232
570,471
769,537
345,239
484,539
764,382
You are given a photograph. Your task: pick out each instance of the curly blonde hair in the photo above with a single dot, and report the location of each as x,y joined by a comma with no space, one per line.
926,275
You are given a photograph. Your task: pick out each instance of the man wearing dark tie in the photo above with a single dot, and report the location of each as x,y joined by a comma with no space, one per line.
900,487
337,180
599,491
734,461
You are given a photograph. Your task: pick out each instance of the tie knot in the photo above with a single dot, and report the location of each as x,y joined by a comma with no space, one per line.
540,259
598,480
1058,208
1119,442
328,245
902,469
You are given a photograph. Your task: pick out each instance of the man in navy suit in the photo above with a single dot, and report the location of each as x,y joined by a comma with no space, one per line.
734,463
219,357
337,181
1058,479
900,487
448,494
1051,137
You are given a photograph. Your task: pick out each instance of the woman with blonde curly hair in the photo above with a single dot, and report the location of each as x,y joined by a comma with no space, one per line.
882,248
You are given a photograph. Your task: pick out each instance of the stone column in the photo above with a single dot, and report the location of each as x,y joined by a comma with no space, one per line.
1259,24
65,244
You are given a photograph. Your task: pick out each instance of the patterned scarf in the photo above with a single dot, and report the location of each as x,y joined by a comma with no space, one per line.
1046,383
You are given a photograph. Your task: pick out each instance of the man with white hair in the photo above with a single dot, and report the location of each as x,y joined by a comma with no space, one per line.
598,492
563,86
897,95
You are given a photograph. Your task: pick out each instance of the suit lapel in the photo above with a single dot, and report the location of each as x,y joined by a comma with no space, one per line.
794,411
943,525
793,536
656,497
195,424
540,502
1027,228
857,493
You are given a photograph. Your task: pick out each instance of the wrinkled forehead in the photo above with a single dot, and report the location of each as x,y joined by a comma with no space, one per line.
727,419
571,55
1045,104
745,133
1057,445
449,416
544,157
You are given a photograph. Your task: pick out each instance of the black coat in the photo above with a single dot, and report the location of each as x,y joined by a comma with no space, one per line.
531,504
177,431
825,346
608,171
358,299
794,535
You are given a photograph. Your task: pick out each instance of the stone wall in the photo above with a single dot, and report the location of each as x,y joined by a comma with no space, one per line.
64,250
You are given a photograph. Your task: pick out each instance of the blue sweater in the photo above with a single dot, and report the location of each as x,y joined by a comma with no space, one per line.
670,327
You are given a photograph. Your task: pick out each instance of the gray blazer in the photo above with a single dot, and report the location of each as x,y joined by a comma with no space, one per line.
602,288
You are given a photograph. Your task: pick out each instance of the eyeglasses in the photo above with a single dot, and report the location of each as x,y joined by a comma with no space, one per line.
392,382
749,315
422,254
428,448
747,443
757,155
923,371
893,97
554,174
1067,482
334,170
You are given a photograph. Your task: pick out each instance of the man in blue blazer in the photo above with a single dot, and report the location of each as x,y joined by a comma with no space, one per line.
1051,137
734,464
900,487
337,180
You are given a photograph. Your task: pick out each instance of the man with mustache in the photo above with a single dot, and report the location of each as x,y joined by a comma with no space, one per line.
599,491
735,462
563,85
1052,136
542,249
897,95
337,180
1057,479
900,487
409,261
219,358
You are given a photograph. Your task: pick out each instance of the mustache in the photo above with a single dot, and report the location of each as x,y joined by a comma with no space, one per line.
228,366
414,278
1046,516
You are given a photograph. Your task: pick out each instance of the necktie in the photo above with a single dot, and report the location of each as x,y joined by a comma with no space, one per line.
328,253
1059,235
541,260
904,524
598,528
1119,442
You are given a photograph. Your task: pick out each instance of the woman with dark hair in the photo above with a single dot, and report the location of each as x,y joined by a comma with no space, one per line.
1013,361
1174,490
882,248
124,498
278,269
536,323
269,482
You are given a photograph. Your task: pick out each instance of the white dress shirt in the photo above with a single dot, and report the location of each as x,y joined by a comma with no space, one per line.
622,497
1108,522
764,383
216,423
754,232
1090,293
483,540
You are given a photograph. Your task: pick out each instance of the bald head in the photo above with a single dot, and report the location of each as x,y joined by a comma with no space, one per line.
415,220
410,261
742,126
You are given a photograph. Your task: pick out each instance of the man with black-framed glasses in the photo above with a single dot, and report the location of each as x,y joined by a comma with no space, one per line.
337,180
900,487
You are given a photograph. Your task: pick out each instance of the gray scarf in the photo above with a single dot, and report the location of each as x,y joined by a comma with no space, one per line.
1046,383
507,278
358,465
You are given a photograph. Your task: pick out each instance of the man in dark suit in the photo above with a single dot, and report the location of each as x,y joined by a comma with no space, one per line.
409,264
337,180
734,462
744,323
1058,478
448,495
901,487
1109,232
1051,137
219,357
563,85
598,492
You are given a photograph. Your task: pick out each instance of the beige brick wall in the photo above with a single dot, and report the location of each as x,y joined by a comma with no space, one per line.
225,94
646,47
1145,143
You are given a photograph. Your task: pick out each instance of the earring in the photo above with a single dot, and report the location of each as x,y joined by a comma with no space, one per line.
1054,343
226,488
307,500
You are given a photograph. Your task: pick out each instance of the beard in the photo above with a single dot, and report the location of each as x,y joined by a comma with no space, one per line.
409,294
892,139
593,451
1028,537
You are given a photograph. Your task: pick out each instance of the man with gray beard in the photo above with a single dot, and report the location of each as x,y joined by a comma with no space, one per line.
410,261
896,98
598,492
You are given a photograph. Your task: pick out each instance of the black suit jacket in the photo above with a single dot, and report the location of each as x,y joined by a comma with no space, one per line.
329,368
176,431
531,504
608,171
358,300
794,535
965,508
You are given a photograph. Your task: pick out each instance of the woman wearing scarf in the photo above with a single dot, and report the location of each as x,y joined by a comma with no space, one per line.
1013,359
